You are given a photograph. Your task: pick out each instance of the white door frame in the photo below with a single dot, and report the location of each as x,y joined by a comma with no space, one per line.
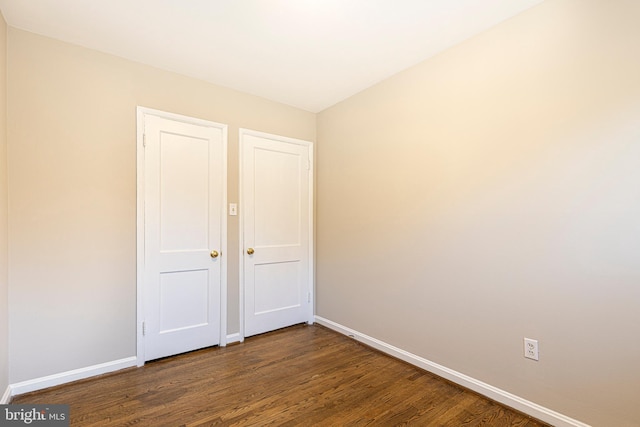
140,237
241,248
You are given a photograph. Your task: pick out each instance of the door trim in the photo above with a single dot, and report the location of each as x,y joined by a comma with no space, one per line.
141,112
311,314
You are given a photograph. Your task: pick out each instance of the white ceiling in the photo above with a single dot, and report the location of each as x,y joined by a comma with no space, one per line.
309,54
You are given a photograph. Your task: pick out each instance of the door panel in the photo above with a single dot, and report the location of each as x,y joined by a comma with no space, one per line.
182,289
276,287
184,193
276,224
184,210
277,197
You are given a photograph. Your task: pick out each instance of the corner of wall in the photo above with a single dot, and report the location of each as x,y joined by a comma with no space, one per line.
4,279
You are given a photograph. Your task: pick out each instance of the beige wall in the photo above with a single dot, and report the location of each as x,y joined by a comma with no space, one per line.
492,193
4,286
72,185
485,195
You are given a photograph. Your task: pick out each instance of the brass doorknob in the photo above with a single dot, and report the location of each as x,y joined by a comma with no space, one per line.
250,251
214,254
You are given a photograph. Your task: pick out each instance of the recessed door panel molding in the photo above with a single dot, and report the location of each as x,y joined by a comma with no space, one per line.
181,225
275,287
181,289
276,193
277,197
184,165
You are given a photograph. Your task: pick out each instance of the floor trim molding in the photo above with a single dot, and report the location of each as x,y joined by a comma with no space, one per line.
233,338
6,397
73,375
504,397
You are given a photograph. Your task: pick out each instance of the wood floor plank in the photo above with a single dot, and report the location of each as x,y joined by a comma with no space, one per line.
298,376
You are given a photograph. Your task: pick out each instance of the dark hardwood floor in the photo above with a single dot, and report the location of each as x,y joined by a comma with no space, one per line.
299,376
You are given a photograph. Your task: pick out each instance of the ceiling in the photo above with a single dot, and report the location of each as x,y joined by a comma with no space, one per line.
309,54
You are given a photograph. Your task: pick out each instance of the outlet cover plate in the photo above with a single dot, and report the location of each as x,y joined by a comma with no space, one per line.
531,349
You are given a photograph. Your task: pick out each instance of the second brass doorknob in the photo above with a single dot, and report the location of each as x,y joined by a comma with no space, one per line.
250,251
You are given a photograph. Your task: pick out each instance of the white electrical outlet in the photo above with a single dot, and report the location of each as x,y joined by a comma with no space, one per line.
531,349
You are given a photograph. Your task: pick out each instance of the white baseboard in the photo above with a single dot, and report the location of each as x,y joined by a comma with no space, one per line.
504,397
6,397
233,338
74,375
